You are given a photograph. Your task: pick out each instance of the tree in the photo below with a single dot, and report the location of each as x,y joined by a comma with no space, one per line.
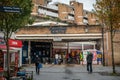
108,13
12,21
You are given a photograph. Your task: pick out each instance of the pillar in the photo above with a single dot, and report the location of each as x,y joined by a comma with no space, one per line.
29,52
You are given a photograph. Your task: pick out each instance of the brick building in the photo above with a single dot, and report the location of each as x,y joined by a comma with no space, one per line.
64,28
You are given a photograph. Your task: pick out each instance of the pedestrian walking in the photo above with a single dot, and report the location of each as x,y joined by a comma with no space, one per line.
37,62
66,57
59,59
89,59
56,58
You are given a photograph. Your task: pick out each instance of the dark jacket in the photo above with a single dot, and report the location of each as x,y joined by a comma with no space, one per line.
37,61
89,58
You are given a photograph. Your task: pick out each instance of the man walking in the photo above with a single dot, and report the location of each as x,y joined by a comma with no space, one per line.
89,59
37,62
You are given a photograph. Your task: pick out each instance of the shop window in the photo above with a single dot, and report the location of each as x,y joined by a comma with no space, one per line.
24,53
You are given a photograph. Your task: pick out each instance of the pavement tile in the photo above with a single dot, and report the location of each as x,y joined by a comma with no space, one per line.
72,72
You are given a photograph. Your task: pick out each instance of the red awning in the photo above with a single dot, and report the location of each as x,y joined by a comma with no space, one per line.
2,46
15,43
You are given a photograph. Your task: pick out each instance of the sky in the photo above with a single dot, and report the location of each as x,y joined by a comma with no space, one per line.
87,4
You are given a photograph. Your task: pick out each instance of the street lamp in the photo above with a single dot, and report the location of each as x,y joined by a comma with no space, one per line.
103,60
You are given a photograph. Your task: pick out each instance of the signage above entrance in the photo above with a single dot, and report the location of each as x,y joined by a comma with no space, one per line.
58,30
15,43
12,43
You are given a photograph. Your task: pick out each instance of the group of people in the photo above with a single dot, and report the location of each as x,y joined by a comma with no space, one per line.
68,58
89,59
77,58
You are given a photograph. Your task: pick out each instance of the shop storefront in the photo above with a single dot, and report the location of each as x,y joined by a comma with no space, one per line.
76,51
15,54
40,49
17,46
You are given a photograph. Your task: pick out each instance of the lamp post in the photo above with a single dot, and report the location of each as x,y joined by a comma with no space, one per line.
103,60
29,52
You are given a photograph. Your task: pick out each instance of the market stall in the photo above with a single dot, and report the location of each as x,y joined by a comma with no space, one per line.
97,56
15,55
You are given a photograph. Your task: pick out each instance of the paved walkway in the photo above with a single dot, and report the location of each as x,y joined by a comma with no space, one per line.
72,72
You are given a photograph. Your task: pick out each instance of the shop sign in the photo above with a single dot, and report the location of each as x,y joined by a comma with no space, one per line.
15,43
12,43
58,30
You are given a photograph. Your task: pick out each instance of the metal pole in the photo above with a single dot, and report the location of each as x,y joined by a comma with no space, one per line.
103,60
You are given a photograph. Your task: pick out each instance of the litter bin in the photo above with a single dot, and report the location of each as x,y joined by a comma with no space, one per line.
22,74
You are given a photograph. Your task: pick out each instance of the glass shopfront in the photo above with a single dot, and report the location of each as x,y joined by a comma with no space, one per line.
42,50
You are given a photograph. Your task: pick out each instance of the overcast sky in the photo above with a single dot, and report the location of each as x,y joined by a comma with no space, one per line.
87,4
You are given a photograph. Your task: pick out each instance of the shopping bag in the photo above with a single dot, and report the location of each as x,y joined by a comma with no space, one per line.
39,65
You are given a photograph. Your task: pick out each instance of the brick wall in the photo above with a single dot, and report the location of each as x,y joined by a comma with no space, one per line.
91,18
107,48
117,48
78,12
70,30
63,11
38,2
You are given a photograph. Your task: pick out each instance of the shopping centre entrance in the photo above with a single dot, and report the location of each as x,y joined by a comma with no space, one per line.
68,52
62,40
